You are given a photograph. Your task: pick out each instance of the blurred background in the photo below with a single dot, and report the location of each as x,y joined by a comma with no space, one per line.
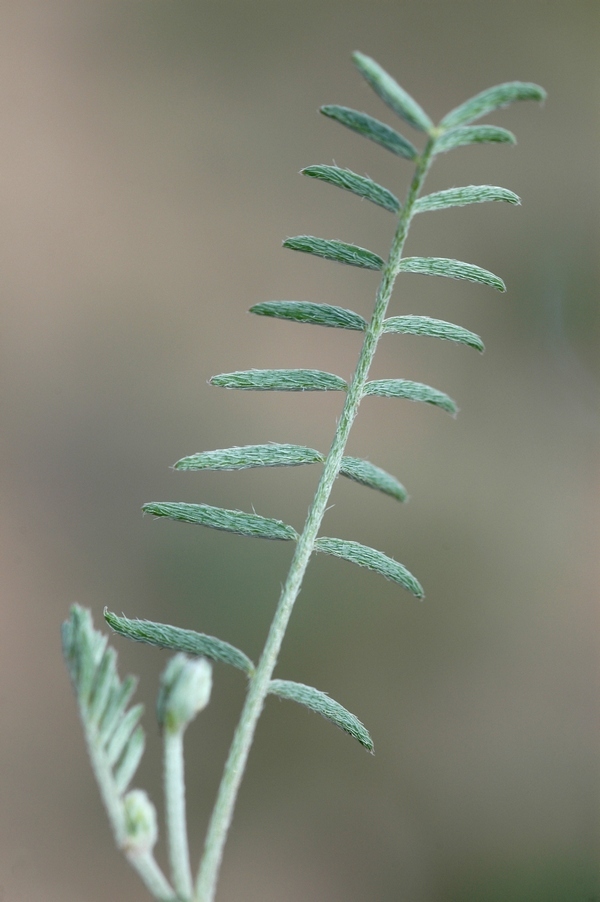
149,154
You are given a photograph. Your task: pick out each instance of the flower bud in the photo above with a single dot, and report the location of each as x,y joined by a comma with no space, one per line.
184,691
141,830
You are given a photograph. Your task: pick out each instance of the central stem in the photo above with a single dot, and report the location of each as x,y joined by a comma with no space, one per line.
258,687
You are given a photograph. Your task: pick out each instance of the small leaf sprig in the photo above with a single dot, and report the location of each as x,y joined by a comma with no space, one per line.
115,743
455,130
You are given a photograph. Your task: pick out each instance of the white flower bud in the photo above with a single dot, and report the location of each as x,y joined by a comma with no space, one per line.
184,691
140,822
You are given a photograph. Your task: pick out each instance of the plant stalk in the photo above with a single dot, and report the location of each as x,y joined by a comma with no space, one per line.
174,780
258,687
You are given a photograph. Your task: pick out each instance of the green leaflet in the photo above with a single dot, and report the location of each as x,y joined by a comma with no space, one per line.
114,739
316,314
271,455
117,705
219,518
434,328
413,391
452,269
357,184
392,94
338,251
162,635
459,197
322,704
492,99
373,477
372,560
281,380
125,769
122,734
371,128
472,134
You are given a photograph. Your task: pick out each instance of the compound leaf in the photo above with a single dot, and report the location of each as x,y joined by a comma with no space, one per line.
433,328
372,560
413,391
373,477
323,704
315,314
452,269
472,134
162,635
271,455
115,741
338,251
281,380
391,93
460,197
357,184
492,99
371,128
219,518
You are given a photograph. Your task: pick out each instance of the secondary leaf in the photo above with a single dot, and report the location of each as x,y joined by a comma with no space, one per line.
219,518
372,560
338,251
357,184
452,269
316,314
459,197
472,134
271,455
373,477
371,128
281,380
434,328
323,704
413,391
115,741
162,635
492,99
391,93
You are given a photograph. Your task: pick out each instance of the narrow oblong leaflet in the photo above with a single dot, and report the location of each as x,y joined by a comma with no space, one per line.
371,128
313,314
338,251
219,518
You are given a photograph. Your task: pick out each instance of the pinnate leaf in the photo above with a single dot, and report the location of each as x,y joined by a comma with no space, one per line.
492,99
338,251
162,635
413,391
464,135
460,197
372,560
315,314
452,269
281,380
433,328
371,128
373,477
219,518
323,704
357,184
391,93
115,741
247,456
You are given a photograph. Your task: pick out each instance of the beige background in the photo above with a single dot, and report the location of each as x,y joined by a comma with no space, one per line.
148,171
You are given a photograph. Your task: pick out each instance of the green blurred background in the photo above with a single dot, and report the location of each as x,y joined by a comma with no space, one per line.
148,173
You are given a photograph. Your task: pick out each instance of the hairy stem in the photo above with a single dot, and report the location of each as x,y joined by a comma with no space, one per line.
175,813
152,876
259,683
